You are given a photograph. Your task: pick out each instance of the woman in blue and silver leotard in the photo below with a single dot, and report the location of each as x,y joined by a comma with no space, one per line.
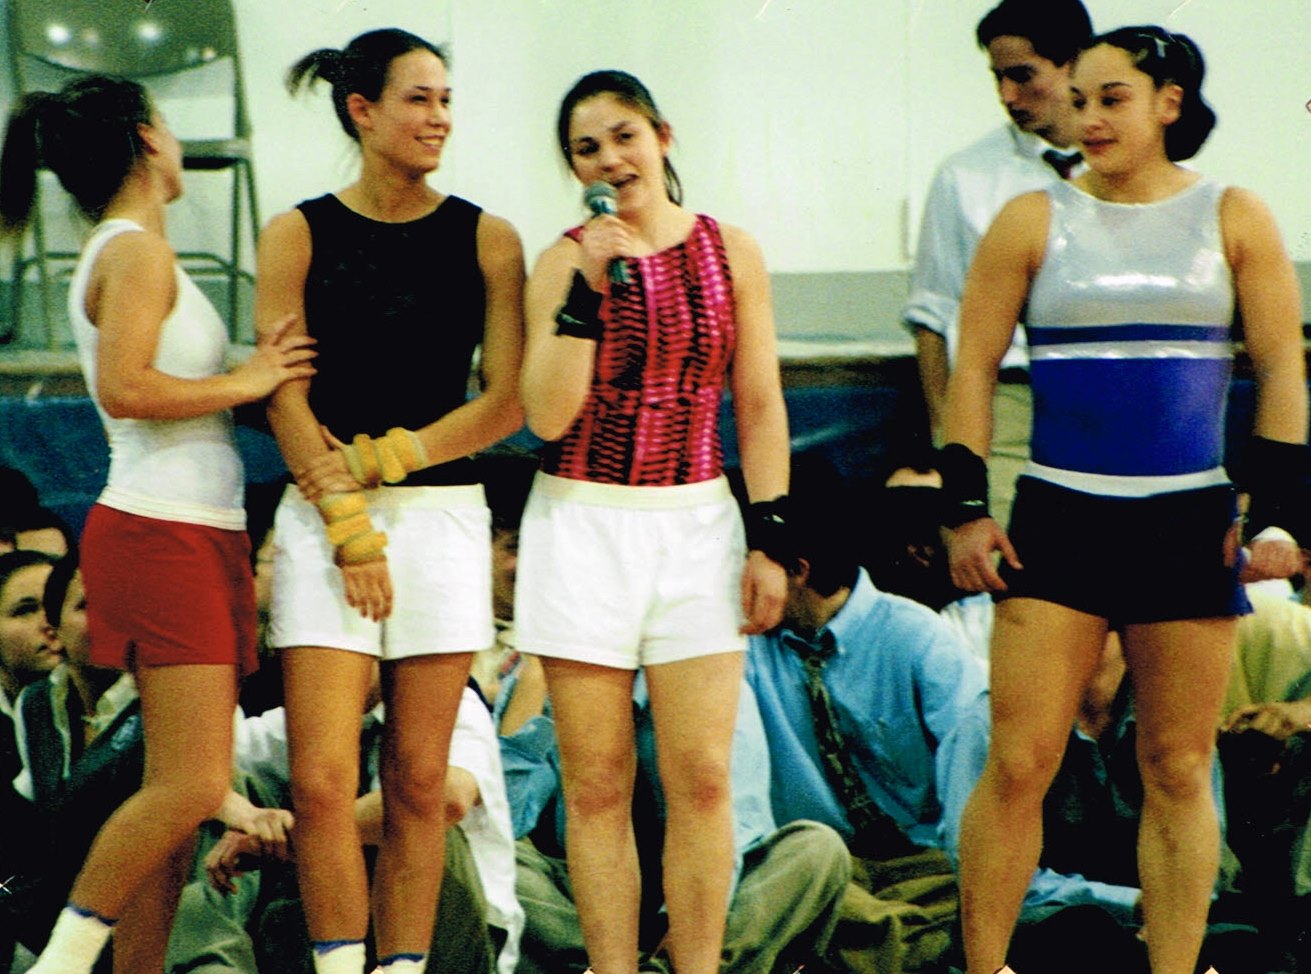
1128,278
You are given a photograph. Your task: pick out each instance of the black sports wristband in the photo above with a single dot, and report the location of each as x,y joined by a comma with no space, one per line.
768,530
580,315
964,485
1277,479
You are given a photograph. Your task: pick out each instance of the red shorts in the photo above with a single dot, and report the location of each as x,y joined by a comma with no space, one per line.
164,593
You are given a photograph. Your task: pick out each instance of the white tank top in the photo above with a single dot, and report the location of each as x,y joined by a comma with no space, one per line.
185,470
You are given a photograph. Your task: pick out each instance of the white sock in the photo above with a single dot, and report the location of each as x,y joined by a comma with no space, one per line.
338,956
75,943
402,964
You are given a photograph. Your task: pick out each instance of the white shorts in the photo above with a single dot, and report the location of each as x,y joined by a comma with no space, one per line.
629,576
439,556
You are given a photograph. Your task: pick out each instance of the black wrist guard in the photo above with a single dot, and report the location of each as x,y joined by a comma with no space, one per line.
1277,479
964,485
580,315
768,530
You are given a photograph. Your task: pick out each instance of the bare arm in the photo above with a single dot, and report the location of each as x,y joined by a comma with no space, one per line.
495,413
557,368
758,407
133,290
761,419
995,291
283,263
1266,287
931,356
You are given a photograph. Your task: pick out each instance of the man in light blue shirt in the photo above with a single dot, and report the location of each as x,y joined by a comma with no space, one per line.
897,679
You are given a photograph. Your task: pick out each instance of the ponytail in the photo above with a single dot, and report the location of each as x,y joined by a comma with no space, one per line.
88,134
360,68
19,161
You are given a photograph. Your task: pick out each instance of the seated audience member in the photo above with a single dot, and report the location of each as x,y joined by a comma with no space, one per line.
1265,748
478,922
79,737
513,682
41,529
857,689
789,880
28,651
903,552
1081,912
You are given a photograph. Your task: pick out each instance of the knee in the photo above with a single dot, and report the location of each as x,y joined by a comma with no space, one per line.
600,785
1021,771
1175,773
323,788
697,785
414,786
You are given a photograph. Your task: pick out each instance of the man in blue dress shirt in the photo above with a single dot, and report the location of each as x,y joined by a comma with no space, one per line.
895,681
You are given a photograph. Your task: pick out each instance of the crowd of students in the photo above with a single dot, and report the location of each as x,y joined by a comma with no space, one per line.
698,735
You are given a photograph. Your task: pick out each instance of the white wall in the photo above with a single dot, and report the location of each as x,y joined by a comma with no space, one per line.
814,123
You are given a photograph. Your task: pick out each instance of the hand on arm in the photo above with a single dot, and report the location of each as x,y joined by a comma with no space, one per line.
283,263
135,287
761,419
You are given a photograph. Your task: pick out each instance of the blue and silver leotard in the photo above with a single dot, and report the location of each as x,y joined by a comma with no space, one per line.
1128,325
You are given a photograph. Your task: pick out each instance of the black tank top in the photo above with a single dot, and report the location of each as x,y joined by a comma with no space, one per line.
398,310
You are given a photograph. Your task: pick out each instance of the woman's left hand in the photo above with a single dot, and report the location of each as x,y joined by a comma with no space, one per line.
764,593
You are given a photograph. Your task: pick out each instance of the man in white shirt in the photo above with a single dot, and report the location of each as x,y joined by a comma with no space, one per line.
1031,46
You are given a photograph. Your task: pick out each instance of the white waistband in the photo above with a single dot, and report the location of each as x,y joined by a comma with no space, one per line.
638,498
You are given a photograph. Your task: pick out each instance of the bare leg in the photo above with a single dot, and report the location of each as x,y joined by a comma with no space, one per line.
325,691
1180,670
694,705
423,698
593,707
141,936
186,712
1034,644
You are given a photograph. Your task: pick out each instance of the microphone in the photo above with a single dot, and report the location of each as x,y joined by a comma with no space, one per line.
601,198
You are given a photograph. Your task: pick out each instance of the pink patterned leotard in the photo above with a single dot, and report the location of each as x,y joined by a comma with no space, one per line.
651,417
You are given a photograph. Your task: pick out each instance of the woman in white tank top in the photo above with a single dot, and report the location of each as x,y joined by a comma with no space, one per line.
164,553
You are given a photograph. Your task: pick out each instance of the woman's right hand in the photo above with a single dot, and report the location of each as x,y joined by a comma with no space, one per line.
325,473
970,550
368,588
280,356
604,239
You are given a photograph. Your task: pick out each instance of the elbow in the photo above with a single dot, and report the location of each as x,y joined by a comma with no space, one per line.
120,401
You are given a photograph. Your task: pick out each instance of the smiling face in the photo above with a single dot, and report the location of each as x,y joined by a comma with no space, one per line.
1033,90
611,141
409,123
1121,114
28,649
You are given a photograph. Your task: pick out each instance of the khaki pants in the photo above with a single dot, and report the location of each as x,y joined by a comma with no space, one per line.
896,916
